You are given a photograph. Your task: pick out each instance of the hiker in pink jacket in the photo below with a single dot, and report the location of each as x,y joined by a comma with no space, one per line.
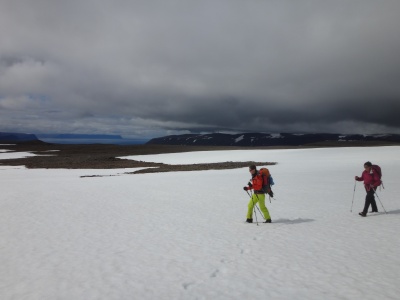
371,180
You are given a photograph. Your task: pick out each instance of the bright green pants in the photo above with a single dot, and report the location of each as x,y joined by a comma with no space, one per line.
260,198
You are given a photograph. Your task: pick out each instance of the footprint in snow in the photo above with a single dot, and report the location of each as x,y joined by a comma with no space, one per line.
214,274
186,285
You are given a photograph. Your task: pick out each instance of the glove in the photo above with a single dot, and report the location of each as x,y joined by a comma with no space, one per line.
357,177
271,194
250,185
246,188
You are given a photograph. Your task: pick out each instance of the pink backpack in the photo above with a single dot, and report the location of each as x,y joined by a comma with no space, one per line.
377,169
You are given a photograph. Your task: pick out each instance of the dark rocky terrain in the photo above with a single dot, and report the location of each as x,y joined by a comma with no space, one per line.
97,156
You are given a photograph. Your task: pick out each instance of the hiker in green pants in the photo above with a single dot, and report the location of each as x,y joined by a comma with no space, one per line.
258,181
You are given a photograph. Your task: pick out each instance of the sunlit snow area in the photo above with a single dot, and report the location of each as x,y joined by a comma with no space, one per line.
182,235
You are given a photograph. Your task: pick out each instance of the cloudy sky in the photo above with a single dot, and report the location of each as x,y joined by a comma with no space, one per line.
157,67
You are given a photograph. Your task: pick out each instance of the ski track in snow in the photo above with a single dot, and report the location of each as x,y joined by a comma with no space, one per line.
182,235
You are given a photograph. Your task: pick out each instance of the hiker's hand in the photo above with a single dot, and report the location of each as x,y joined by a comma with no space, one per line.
250,185
245,188
356,178
271,194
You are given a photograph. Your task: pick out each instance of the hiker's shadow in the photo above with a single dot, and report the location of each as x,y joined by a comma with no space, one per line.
294,221
390,212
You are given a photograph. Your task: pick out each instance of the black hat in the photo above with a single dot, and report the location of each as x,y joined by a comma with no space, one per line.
253,167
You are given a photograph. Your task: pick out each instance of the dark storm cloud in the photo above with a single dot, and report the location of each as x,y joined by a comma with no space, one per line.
162,67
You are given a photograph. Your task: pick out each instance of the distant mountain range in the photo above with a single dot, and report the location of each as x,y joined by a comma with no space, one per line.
13,137
214,139
69,138
266,139
79,136
24,137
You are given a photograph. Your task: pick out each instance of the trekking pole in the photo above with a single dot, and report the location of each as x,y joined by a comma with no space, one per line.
251,196
352,201
380,201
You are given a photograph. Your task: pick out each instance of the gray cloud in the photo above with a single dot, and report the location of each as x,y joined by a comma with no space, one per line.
148,68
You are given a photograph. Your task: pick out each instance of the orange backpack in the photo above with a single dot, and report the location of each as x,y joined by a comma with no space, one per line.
267,180
265,171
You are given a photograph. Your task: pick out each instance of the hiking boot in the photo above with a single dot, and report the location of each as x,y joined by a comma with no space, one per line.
362,214
249,220
268,221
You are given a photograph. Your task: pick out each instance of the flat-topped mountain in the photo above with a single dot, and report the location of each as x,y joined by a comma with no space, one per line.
13,137
80,136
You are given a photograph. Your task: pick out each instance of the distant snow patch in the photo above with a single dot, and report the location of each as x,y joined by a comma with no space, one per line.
15,155
239,139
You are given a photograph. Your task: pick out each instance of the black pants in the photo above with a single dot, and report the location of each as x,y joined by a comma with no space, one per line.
370,199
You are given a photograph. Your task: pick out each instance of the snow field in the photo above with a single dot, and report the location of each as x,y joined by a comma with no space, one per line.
182,235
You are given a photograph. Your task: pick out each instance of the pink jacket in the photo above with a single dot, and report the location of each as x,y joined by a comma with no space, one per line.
370,179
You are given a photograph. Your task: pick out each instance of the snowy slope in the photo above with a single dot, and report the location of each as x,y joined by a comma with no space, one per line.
182,235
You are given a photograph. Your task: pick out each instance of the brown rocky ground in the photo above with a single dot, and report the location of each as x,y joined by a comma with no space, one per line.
101,156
